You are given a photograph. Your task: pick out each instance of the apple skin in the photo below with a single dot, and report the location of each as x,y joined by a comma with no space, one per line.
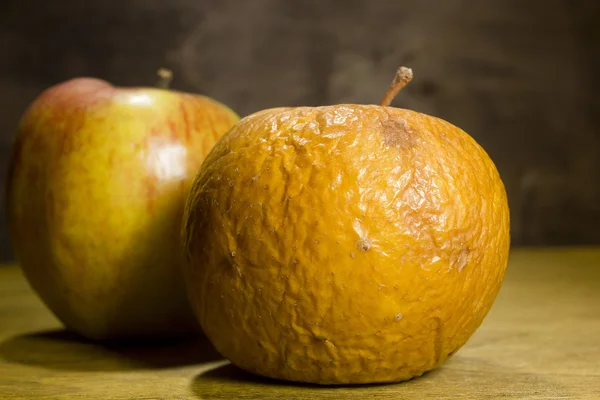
97,183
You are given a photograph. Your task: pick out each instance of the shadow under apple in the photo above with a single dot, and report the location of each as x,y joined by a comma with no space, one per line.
229,381
64,350
457,377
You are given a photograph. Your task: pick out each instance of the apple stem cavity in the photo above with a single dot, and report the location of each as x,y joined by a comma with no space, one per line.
403,77
165,76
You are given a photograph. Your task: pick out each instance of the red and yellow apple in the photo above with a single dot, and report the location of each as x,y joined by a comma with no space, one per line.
97,184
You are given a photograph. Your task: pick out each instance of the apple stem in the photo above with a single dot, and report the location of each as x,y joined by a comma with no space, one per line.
403,77
165,76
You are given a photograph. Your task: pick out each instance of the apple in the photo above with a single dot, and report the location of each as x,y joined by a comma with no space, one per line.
344,243
97,182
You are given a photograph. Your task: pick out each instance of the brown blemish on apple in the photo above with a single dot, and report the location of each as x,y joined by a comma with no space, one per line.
364,244
397,133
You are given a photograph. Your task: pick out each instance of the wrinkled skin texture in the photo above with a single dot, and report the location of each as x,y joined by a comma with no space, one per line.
97,185
344,244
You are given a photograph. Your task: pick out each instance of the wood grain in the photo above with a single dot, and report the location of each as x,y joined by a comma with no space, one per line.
540,341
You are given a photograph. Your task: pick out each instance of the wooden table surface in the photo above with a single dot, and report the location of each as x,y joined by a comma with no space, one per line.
540,341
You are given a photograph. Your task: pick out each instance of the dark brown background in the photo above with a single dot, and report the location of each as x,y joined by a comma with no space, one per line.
522,77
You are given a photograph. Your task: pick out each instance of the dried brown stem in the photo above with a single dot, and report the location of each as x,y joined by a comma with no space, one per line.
165,76
403,77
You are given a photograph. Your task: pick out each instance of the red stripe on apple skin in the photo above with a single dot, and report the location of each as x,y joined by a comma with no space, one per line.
173,130
151,192
186,121
211,124
69,101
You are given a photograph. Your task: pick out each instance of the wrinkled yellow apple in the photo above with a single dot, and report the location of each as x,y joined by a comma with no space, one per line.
344,244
